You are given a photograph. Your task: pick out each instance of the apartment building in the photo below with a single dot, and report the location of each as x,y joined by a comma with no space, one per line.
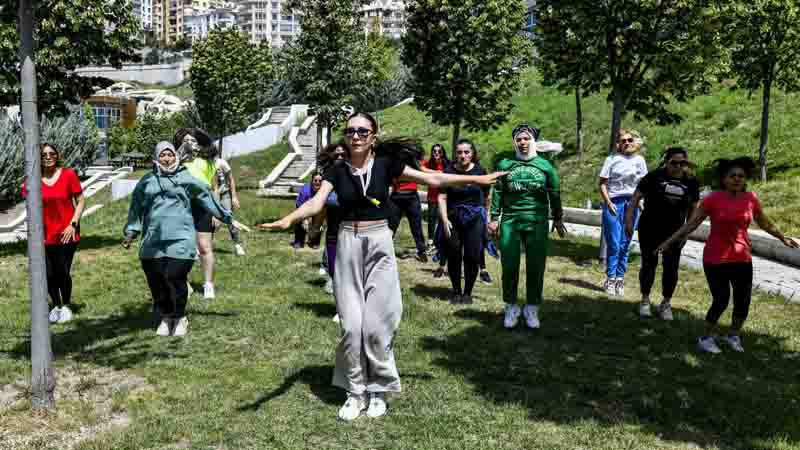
198,23
143,10
387,17
268,21
168,20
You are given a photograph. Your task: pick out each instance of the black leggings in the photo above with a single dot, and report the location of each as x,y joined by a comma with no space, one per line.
168,278
465,245
58,259
671,260
721,277
408,204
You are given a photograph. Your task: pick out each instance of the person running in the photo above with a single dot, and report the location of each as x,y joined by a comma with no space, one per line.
437,162
618,179
520,214
406,198
366,280
161,210
228,198
62,206
670,194
197,154
306,193
462,211
727,255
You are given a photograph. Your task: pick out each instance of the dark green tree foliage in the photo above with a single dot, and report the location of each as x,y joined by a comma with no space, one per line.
645,52
229,75
69,34
765,52
465,58
149,130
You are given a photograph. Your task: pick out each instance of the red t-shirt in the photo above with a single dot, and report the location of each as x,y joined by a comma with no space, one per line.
730,216
433,193
57,207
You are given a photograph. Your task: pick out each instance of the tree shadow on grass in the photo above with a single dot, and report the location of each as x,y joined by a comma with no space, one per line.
318,379
577,251
438,292
88,242
583,284
594,361
324,310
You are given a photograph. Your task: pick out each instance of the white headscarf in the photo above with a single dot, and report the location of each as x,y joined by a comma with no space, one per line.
161,169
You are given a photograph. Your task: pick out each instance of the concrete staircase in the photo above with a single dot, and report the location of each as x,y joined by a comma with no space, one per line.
279,114
285,179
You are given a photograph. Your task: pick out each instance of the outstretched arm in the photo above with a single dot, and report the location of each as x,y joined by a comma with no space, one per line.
439,179
765,224
307,209
698,216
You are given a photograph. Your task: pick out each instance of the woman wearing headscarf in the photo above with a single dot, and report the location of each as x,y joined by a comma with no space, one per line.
520,214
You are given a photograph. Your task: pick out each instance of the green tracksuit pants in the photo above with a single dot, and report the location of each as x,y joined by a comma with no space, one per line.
533,237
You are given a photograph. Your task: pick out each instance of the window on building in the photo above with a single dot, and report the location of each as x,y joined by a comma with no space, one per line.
105,117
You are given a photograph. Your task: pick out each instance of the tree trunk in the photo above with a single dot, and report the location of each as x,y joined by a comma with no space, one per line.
578,120
320,129
762,148
456,135
43,380
616,119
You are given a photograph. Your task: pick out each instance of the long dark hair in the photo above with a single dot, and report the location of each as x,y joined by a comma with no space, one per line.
432,161
475,157
327,157
723,166
209,150
403,149
54,148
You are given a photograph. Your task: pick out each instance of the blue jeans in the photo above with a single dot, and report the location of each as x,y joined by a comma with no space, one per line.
617,242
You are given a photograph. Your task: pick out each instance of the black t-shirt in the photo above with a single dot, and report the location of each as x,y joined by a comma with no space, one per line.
472,194
667,200
353,204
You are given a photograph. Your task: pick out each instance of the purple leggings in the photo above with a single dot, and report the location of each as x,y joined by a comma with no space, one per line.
330,249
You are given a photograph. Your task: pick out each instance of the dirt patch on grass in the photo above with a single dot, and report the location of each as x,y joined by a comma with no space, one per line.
89,401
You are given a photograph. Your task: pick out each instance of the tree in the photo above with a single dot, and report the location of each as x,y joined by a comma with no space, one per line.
645,52
153,56
328,62
465,58
765,50
68,34
229,75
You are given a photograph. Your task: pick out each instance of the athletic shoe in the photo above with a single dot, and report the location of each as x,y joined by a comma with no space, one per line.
466,300
485,277
181,327
239,250
644,308
619,288
512,316
297,245
322,271
734,342
438,273
208,291
189,289
455,299
422,257
163,328
610,286
531,313
665,310
707,344
329,286
65,315
377,405
55,314
336,318
352,407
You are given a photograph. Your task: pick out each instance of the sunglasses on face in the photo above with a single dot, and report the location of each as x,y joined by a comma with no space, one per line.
47,155
362,132
679,163
338,155
627,141
463,152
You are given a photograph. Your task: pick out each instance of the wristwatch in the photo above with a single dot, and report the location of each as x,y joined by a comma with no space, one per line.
74,225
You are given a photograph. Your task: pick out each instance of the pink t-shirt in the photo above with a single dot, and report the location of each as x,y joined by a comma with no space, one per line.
730,217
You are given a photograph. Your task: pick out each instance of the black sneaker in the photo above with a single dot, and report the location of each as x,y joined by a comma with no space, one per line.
456,299
466,299
422,257
438,273
485,277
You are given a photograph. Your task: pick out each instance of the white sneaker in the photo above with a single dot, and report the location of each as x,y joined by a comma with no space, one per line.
512,316
322,271
208,291
377,405
329,286
189,289
55,314
708,345
65,315
610,286
734,342
163,328
644,308
181,327
531,313
336,318
619,288
665,310
352,407
239,250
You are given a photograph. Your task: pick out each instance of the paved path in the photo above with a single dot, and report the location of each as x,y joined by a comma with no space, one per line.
768,276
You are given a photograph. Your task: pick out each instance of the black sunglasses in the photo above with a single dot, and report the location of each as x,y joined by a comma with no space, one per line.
362,132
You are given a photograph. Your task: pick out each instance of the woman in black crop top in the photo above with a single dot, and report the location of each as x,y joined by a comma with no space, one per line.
366,281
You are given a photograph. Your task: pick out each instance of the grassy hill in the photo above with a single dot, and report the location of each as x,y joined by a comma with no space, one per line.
725,123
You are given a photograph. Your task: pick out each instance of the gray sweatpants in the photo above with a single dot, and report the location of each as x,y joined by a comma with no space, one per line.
368,299
227,202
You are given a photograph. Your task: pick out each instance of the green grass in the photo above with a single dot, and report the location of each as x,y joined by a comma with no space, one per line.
182,90
723,124
255,370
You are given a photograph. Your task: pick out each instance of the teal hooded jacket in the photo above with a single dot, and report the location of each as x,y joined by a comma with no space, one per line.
161,210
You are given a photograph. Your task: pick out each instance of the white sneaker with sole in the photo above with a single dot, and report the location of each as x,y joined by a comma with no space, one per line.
65,315
336,319
531,314
163,328
734,342
239,250
512,316
610,286
181,327
329,286
644,308
377,405
665,310
55,314
208,291
322,271
352,407
189,289
619,288
708,345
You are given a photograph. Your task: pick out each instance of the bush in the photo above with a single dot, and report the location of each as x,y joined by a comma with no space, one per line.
386,94
75,135
150,129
